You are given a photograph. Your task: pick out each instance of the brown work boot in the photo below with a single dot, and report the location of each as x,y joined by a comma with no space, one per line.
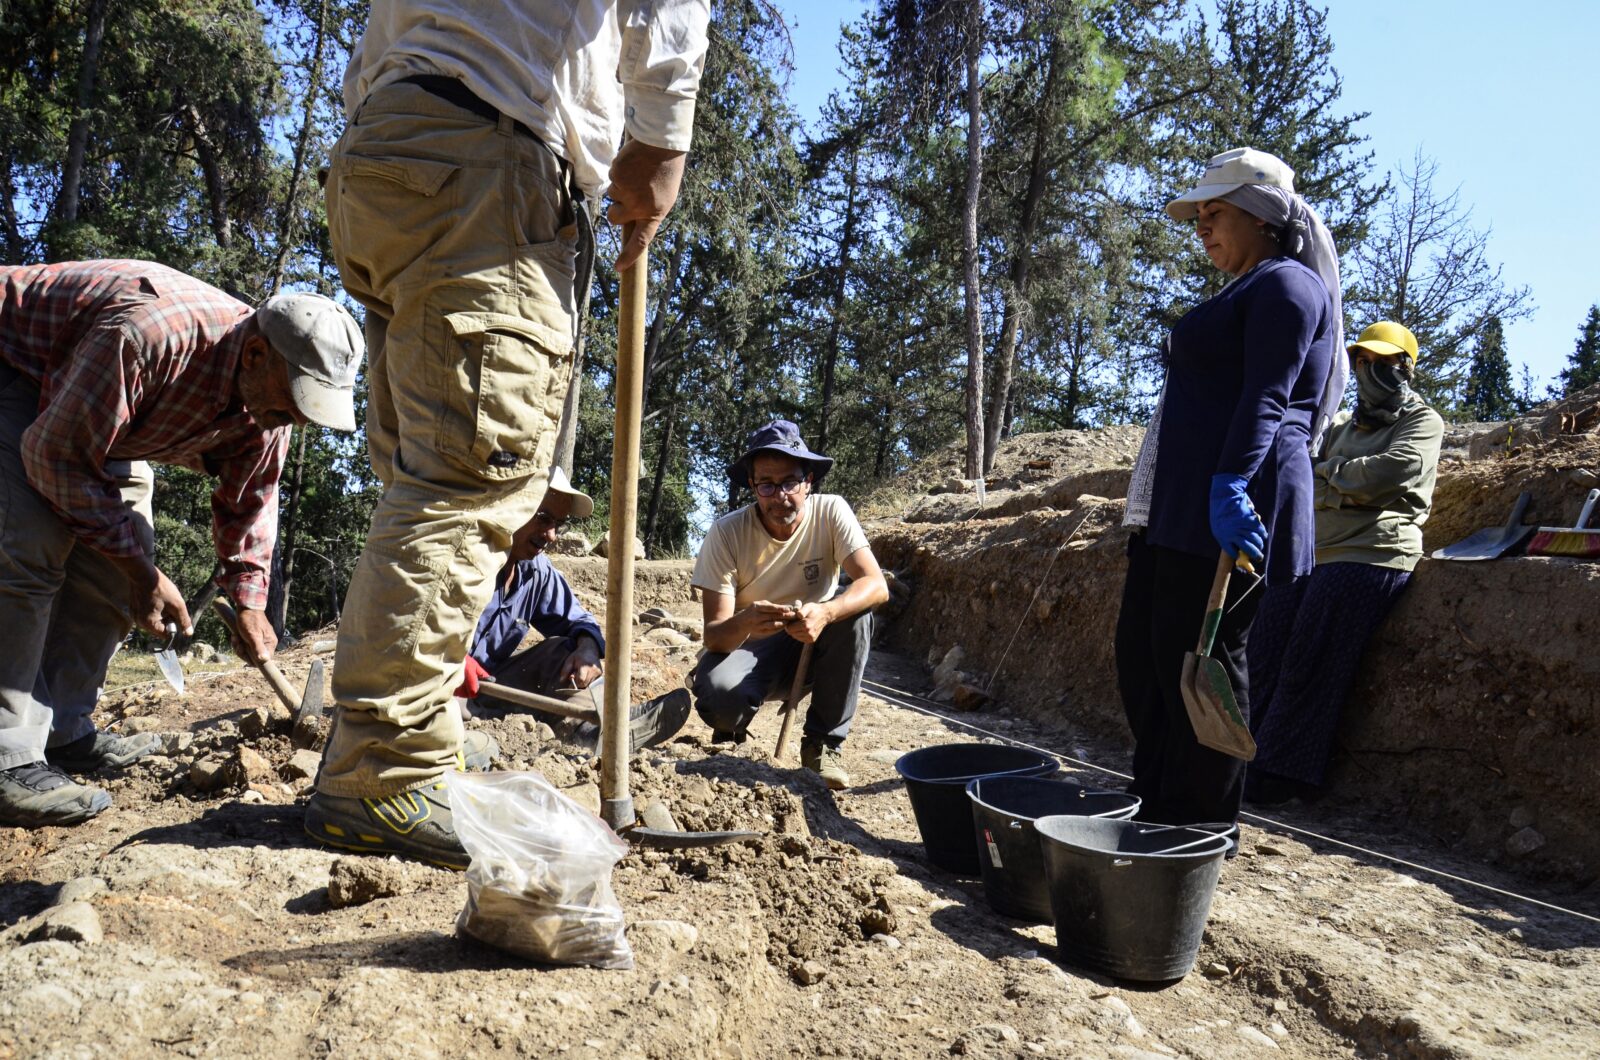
824,760
413,824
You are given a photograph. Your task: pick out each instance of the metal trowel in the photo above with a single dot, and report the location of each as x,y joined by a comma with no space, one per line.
167,659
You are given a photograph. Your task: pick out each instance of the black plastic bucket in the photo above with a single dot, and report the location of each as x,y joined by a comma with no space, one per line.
1003,812
936,779
1130,900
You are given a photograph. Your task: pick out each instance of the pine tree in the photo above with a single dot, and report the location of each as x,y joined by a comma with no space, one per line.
1583,367
1490,394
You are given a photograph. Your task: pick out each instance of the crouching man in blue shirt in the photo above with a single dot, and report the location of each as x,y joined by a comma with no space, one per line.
531,593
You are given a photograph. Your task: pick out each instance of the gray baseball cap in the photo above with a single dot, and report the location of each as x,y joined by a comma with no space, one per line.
323,347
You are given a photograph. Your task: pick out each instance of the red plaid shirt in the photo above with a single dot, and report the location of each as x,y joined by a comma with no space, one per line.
136,361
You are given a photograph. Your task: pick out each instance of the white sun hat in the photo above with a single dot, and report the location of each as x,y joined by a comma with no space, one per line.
1229,171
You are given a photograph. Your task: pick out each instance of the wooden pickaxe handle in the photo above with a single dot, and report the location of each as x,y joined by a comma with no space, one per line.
280,684
790,705
533,699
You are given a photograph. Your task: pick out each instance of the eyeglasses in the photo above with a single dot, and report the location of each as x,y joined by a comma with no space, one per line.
786,487
547,521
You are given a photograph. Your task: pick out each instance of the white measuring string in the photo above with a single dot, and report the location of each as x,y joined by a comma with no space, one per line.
1029,609
904,699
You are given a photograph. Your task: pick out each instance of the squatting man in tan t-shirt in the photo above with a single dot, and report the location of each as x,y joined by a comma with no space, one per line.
788,546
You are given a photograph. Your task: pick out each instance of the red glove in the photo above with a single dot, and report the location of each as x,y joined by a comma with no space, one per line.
470,679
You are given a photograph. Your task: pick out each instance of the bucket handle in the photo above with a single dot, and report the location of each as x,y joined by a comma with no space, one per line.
1221,833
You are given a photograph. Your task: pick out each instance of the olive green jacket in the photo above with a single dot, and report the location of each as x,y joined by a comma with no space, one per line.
1374,488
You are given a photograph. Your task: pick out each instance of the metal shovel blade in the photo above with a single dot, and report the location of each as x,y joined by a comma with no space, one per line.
1213,710
661,839
167,660
1494,542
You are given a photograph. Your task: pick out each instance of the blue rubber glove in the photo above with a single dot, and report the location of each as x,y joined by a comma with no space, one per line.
1234,522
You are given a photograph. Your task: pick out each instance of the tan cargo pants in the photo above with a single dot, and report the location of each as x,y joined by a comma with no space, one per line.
458,235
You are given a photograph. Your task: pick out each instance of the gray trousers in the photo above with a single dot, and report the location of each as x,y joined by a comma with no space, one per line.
537,670
730,688
63,606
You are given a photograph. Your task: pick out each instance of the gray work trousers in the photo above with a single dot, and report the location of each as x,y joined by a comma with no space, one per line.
63,606
730,688
538,669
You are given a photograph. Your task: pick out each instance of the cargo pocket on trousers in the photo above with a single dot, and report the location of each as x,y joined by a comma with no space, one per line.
496,414
425,176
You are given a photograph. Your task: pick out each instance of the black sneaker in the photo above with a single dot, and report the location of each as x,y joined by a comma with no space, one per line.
101,750
413,824
658,720
40,794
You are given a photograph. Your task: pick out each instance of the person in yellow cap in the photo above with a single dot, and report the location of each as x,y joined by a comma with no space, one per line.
1373,489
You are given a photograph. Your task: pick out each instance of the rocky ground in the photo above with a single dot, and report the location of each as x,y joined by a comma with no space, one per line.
194,919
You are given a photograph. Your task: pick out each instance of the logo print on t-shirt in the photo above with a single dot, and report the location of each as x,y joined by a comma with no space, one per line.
813,571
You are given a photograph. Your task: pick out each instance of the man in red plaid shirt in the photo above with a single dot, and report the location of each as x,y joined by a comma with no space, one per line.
105,365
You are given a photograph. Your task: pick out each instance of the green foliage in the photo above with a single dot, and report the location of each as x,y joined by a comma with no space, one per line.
1489,392
1583,367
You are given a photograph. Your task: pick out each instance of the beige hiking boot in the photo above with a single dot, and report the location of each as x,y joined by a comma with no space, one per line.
825,761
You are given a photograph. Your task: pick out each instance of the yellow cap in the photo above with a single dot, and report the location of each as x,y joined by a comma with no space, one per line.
1386,338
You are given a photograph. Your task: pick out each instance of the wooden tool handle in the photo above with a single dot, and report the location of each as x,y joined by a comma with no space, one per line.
1219,593
280,684
523,698
796,688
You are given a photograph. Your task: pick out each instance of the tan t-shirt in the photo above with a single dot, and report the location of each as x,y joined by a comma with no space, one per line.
741,558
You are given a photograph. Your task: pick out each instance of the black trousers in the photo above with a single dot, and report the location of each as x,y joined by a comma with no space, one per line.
1163,604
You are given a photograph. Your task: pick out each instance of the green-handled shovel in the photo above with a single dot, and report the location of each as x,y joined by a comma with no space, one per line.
1208,695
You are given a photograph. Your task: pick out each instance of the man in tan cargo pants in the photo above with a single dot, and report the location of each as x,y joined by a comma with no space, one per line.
455,216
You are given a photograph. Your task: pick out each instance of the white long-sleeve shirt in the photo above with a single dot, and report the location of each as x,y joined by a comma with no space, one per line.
575,72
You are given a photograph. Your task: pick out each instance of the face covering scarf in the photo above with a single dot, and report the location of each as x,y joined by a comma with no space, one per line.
1381,391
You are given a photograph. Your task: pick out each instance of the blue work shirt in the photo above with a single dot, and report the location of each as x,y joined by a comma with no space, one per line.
1244,377
539,598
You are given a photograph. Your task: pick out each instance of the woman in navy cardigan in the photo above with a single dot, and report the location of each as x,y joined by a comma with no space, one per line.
1251,381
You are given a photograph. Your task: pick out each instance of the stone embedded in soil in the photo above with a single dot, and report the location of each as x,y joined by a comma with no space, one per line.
585,795
176,743
1524,842
357,881
808,973
257,770
885,756
302,765
985,1037
73,922
656,815
888,942
81,889
674,935
877,922
1522,817
1216,970
968,697
214,774
139,726
1255,1037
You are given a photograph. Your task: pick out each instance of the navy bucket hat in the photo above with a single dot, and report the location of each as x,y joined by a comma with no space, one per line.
783,438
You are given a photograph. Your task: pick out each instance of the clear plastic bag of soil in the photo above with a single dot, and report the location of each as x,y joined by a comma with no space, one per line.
539,884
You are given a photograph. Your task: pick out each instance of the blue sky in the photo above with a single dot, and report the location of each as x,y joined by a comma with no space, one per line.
1503,97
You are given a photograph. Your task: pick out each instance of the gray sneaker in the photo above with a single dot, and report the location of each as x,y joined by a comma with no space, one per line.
102,750
413,824
40,794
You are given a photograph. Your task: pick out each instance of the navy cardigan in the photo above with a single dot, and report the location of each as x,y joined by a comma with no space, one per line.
1245,374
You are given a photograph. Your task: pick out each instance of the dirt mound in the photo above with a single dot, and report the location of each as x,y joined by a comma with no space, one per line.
1475,714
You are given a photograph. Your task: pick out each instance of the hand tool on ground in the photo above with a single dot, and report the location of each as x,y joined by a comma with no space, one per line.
304,707
488,686
1494,542
792,703
167,659
1207,693
1572,542
616,802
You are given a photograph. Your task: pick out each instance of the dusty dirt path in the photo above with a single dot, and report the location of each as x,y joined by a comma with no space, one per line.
216,931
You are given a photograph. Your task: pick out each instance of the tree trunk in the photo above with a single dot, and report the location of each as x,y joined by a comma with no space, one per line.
278,600
663,457
830,355
1021,278
216,187
969,242
78,132
301,146
14,248
201,601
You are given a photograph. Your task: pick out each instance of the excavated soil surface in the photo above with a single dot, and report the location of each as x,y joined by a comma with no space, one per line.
194,919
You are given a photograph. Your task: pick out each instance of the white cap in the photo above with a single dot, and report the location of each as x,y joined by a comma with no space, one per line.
322,345
1230,171
582,504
